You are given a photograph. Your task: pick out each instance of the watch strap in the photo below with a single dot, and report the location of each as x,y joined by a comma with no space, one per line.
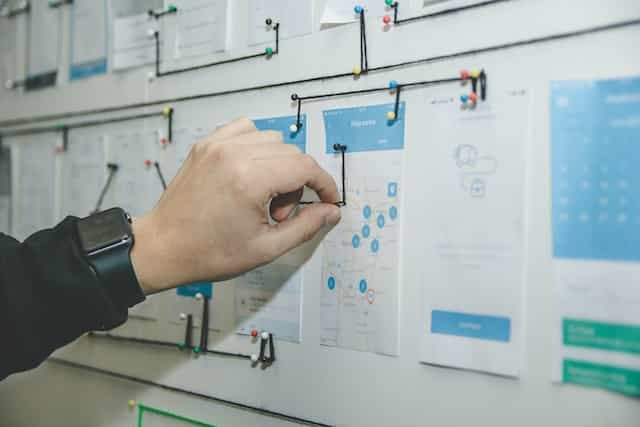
115,271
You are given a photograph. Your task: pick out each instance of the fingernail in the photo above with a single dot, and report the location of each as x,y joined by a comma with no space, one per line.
333,217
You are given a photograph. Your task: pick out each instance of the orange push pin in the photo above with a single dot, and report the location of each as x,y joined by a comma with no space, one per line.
473,97
464,75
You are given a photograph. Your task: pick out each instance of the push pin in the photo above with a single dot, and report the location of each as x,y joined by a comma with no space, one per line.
391,116
254,358
166,112
358,9
254,333
151,32
393,85
131,403
172,8
199,296
386,20
357,71
183,316
148,163
268,52
151,75
473,97
464,99
293,128
474,73
164,141
464,75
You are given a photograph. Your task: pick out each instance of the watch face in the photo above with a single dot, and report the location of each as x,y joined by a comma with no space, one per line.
104,229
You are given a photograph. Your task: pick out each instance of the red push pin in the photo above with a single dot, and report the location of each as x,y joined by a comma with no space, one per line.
464,74
59,149
386,19
148,163
164,141
473,97
254,333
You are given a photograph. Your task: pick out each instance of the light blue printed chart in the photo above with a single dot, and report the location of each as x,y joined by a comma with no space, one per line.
206,289
364,128
595,137
492,328
282,124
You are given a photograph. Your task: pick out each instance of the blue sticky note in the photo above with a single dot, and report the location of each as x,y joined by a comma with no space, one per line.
595,148
492,328
364,128
206,289
283,124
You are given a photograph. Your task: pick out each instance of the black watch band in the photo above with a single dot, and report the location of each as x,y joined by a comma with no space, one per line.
107,239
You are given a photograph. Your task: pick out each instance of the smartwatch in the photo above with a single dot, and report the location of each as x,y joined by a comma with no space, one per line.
106,238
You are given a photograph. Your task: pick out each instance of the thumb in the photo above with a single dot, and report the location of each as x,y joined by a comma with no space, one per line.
301,228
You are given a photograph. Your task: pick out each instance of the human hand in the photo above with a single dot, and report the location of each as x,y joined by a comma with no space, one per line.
212,224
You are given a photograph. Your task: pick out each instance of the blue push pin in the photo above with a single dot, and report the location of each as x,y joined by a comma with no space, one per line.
358,9
393,84
464,98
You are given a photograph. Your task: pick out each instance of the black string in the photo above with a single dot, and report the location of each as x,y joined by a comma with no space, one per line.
162,181
59,3
337,148
19,11
204,327
166,387
428,60
188,333
396,20
363,31
113,168
144,341
267,53
156,15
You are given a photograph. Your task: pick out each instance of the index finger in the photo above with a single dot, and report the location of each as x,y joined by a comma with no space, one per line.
287,174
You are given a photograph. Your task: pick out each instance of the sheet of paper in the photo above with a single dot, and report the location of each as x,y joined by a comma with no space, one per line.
132,46
88,38
84,168
5,214
201,27
475,232
44,39
360,275
295,18
34,189
342,12
269,299
595,127
135,186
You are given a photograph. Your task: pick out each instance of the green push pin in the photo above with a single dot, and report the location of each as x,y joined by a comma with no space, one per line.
388,2
268,51
172,8
196,349
59,126
181,347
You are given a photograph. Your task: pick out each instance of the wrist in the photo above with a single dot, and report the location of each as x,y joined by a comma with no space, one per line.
149,257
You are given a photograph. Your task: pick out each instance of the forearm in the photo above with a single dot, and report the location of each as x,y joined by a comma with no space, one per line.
49,296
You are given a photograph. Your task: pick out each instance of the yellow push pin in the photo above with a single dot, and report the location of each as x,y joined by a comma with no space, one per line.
166,112
132,404
391,115
474,73
357,70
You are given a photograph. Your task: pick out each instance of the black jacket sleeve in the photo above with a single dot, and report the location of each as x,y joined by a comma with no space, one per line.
49,296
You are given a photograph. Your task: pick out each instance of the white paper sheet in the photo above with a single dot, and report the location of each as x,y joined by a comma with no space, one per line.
360,275
342,12
135,186
295,18
44,38
84,169
5,214
596,233
34,193
201,27
88,38
132,46
475,232
269,299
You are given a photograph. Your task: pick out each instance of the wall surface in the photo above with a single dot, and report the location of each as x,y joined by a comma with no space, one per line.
329,385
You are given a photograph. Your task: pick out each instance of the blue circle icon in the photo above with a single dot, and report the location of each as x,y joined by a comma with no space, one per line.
366,231
393,212
375,245
380,221
366,212
355,241
363,286
331,283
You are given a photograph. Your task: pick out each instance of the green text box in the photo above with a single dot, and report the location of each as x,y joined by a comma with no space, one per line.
613,378
603,336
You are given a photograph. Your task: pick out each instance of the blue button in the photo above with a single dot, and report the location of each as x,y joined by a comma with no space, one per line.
492,328
366,212
355,241
366,231
392,189
363,286
380,221
393,212
331,283
375,245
